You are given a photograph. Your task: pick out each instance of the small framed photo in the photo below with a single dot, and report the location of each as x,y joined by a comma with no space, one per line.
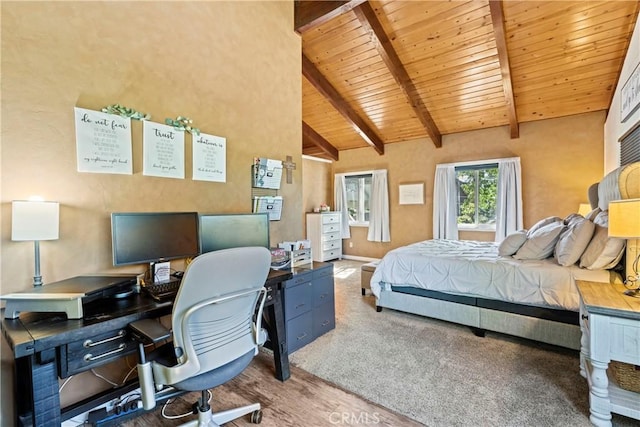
630,95
412,194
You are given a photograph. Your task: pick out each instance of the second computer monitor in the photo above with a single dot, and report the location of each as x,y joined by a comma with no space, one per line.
224,231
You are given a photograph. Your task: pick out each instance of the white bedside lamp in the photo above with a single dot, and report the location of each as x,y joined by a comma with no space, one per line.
584,209
624,221
35,220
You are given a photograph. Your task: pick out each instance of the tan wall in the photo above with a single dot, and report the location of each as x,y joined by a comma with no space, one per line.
560,158
232,67
318,184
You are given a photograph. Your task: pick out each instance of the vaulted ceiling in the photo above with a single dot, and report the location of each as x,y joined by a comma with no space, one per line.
385,71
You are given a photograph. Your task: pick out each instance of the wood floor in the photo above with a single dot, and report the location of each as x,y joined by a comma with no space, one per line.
303,400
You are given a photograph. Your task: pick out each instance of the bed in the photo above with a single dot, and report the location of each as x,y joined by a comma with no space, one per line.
490,288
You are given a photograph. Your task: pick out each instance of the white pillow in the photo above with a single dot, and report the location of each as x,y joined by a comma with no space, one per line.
541,243
546,221
603,252
512,243
573,241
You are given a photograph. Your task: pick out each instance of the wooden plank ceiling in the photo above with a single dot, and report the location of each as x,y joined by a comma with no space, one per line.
383,71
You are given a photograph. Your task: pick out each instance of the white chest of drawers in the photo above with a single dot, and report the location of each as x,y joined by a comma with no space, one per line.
323,230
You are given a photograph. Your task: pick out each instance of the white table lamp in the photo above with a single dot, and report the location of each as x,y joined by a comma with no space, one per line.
35,221
624,222
584,209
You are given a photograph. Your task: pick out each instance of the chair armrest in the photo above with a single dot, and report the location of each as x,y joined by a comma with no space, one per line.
149,331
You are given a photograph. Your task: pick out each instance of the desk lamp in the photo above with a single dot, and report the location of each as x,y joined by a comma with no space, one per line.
34,220
624,221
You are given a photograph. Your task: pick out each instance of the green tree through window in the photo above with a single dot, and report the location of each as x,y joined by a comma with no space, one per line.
477,191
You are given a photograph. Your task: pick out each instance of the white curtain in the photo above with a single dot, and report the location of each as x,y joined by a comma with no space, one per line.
340,203
509,203
445,194
379,208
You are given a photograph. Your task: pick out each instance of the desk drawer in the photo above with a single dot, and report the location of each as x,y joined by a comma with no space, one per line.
297,300
86,354
324,319
299,331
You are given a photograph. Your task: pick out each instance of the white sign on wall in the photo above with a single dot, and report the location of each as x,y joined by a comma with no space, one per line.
163,150
103,142
412,194
209,158
630,95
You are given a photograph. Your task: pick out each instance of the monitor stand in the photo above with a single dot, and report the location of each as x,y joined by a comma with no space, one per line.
69,303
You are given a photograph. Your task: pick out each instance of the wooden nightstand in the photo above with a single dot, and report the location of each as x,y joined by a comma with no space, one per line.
610,325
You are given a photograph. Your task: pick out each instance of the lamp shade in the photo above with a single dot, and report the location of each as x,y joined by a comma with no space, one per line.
34,220
624,218
584,209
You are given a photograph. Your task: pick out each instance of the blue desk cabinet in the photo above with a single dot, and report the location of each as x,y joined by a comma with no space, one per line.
309,304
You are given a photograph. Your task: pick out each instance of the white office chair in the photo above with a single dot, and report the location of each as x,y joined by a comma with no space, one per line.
216,323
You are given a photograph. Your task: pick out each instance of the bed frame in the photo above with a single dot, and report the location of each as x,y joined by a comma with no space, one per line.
557,327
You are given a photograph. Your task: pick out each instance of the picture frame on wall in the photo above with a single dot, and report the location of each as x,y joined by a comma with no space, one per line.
411,194
630,95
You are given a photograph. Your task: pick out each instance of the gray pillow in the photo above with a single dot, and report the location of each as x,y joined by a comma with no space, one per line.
546,221
541,243
573,241
592,215
603,252
512,243
572,217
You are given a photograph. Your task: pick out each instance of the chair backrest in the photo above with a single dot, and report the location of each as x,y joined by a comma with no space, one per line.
213,312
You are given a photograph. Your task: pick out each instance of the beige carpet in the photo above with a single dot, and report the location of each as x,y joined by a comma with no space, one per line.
439,373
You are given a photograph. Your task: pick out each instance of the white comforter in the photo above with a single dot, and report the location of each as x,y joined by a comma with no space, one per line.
475,268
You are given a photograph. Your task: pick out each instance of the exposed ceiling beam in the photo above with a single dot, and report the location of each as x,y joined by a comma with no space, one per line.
372,25
497,18
312,137
325,88
310,14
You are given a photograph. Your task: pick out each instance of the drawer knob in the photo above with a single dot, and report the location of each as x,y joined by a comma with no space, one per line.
585,317
90,343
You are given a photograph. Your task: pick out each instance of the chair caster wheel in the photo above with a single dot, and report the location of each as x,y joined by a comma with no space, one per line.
256,417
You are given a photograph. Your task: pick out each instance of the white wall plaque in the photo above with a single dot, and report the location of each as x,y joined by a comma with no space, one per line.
103,142
209,158
630,95
163,150
412,194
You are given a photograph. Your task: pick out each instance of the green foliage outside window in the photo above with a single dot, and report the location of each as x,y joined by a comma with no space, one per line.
477,191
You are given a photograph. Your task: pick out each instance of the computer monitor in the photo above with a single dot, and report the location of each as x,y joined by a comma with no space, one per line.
139,237
224,231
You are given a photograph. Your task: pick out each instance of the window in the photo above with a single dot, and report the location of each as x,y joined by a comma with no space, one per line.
477,191
358,195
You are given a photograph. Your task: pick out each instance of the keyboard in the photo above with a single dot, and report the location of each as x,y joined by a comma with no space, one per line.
163,291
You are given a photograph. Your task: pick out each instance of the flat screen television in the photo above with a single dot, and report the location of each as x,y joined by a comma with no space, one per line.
224,231
140,237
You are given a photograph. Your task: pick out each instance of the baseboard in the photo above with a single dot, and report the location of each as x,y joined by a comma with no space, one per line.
359,258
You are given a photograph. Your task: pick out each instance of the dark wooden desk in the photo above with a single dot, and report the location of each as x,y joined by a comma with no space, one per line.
48,346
